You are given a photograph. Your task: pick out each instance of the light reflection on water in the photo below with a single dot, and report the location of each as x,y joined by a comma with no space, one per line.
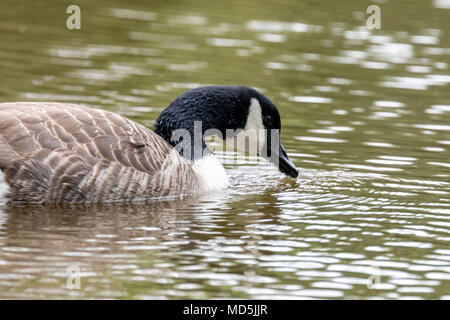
365,118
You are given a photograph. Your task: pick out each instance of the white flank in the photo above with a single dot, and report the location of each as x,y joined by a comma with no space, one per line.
211,173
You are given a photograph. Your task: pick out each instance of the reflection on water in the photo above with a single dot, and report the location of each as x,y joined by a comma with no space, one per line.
365,114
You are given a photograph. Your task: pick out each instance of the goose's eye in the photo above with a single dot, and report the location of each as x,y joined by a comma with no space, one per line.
268,120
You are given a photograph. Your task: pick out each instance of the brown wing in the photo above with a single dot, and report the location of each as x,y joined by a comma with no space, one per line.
113,157
27,127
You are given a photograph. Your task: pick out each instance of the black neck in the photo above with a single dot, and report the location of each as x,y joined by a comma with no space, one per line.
187,138
201,112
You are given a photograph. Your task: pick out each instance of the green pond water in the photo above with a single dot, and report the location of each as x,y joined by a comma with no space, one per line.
365,115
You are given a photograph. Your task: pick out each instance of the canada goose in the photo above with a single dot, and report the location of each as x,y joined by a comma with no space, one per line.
55,152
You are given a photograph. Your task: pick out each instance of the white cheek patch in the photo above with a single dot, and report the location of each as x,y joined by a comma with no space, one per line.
252,139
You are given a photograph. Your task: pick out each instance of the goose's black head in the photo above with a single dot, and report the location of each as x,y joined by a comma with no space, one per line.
232,112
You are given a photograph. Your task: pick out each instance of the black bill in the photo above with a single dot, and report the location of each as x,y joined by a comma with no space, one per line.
279,158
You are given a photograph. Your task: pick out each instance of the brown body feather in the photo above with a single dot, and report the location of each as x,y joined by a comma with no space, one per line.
53,153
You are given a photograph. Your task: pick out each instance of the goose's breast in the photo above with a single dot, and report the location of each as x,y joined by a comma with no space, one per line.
211,174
